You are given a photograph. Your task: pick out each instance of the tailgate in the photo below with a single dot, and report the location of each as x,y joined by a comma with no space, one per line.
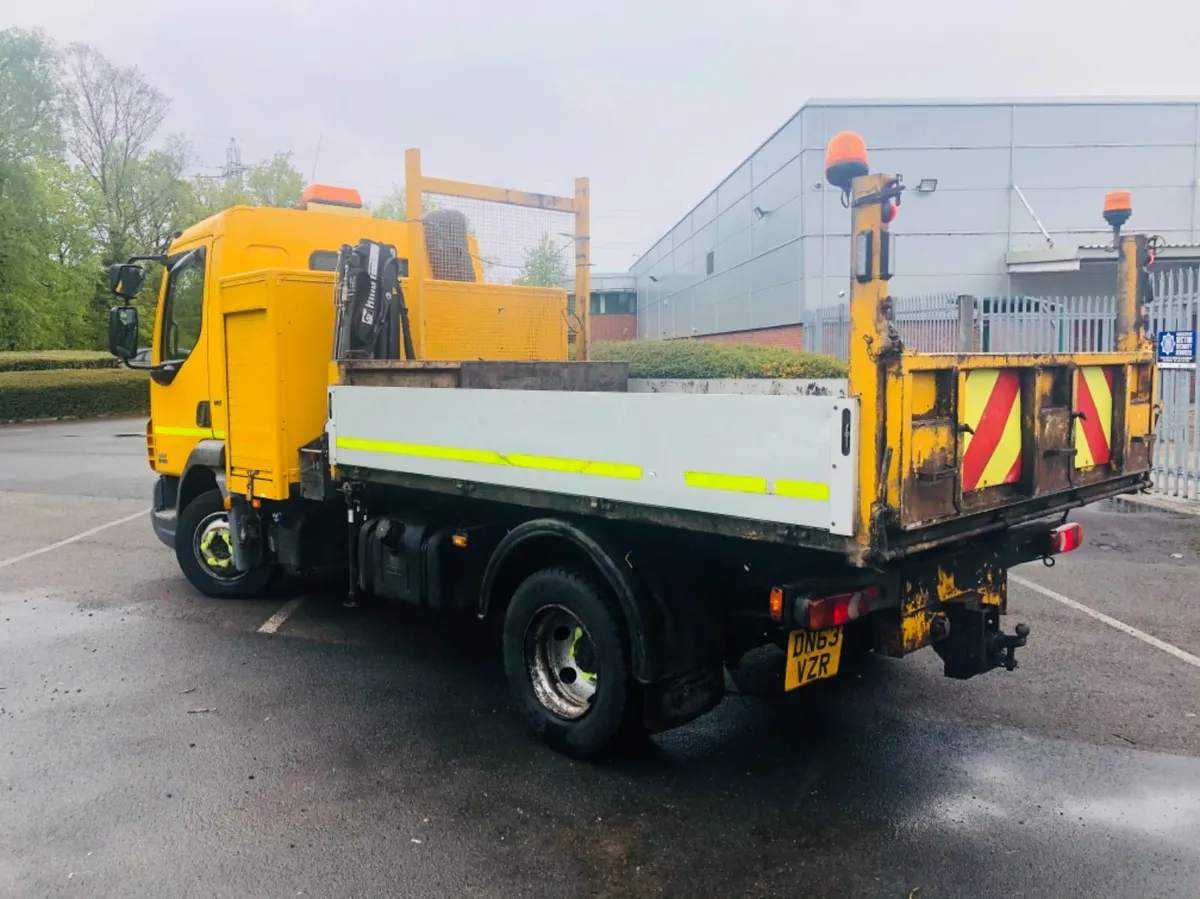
960,443
981,432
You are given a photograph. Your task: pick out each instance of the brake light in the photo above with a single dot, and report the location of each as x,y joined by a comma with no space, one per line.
1066,538
834,611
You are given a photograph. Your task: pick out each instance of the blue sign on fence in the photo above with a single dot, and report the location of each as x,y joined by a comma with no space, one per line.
1177,349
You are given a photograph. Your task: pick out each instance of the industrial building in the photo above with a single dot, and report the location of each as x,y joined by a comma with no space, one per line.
1004,199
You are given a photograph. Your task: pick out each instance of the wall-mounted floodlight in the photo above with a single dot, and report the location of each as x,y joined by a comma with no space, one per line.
654,278
759,212
927,186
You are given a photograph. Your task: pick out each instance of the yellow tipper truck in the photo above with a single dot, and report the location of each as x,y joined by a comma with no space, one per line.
330,389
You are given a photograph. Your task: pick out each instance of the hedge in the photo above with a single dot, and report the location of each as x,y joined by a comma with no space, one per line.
700,359
26,395
43,360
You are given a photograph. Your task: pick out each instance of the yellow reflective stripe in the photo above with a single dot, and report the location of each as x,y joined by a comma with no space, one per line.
576,466
741,483
737,482
171,431
802,490
220,435
489,457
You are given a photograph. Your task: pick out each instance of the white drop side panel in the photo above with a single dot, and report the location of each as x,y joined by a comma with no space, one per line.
781,459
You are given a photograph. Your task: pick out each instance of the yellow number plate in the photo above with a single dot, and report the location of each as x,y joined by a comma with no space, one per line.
812,655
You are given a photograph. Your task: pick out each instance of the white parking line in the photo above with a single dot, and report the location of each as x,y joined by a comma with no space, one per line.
45,549
1182,655
272,624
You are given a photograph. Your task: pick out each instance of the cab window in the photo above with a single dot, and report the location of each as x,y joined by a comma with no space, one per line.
183,312
323,261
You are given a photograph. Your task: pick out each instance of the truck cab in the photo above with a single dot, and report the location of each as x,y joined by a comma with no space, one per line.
187,359
247,276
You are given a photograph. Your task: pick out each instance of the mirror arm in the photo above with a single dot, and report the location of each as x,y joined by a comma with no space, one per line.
139,366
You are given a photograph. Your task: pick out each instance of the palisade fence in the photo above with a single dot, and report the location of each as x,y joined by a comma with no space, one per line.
1028,324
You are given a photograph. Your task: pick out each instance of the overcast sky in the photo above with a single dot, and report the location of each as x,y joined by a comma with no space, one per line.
654,100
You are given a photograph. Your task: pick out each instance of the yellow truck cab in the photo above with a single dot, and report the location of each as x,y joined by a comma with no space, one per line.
207,343
188,357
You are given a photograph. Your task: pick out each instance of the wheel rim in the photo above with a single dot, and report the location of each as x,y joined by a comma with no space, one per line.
560,659
214,547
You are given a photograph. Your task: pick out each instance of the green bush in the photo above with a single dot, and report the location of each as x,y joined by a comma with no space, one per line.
700,359
43,360
26,395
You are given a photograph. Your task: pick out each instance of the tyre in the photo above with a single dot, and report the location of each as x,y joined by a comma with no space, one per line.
567,665
205,553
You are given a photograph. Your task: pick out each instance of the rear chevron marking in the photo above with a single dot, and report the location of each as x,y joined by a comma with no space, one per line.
992,455
1093,430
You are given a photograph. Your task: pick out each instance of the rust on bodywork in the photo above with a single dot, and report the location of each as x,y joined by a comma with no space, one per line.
973,576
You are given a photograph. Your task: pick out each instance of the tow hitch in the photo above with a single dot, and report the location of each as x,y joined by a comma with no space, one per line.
973,642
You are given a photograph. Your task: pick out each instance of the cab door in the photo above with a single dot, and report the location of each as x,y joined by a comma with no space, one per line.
180,403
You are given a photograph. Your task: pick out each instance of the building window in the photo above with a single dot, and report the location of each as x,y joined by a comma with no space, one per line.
709,263
624,303
614,303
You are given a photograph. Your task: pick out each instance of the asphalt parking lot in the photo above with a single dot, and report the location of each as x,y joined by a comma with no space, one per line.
155,743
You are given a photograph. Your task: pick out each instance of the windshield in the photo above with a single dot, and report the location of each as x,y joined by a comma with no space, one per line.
183,310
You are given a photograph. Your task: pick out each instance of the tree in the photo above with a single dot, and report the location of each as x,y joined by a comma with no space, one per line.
275,182
545,264
66,276
29,132
160,199
214,193
392,206
112,113
86,180
29,96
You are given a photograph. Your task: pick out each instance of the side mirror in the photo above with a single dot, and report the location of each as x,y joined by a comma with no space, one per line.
125,279
123,331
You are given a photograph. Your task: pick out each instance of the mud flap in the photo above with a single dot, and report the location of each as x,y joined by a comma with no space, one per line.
679,700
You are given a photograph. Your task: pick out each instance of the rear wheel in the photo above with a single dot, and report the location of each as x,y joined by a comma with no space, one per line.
204,549
566,662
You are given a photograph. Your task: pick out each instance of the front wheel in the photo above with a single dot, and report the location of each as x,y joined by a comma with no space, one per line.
566,662
204,549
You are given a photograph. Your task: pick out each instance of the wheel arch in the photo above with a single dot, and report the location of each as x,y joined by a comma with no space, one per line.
204,471
668,633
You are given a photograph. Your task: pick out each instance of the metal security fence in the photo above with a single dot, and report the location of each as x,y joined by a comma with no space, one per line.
1177,433
827,330
1024,324
946,323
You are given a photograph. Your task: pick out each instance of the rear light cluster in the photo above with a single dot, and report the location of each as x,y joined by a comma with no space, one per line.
819,612
1066,538
836,610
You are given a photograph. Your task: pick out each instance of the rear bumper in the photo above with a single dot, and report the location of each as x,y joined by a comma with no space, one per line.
162,510
953,601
